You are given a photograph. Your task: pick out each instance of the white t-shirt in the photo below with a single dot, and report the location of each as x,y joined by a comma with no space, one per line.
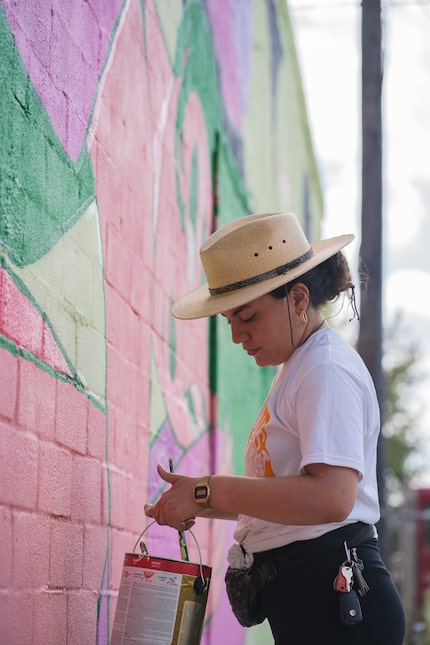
321,408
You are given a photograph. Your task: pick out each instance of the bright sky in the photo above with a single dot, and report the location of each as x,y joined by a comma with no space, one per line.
328,41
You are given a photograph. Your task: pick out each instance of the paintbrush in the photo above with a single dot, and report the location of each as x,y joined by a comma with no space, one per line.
181,534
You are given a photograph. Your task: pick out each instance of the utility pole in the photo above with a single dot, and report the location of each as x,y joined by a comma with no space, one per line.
370,336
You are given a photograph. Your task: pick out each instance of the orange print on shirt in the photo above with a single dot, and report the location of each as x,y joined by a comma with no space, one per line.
257,455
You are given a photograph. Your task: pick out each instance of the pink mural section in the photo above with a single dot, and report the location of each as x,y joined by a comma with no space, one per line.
51,522
24,324
124,195
76,471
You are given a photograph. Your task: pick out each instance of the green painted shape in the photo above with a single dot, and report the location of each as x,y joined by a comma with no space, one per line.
242,387
42,192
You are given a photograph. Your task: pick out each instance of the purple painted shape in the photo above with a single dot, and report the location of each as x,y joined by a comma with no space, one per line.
165,446
242,19
190,462
222,626
63,46
231,24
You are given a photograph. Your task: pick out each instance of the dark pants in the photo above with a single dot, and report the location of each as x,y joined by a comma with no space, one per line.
303,608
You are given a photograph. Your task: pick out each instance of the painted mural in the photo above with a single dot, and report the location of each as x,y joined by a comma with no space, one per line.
129,129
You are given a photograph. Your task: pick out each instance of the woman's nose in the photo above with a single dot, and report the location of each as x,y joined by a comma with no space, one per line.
238,333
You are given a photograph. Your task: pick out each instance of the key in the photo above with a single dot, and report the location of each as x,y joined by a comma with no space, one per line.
350,608
347,551
339,583
344,579
359,581
347,573
357,570
358,561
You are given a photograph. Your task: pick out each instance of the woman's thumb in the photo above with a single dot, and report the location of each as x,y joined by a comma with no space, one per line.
166,475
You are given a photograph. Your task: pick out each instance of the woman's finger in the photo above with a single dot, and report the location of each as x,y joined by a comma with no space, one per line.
147,509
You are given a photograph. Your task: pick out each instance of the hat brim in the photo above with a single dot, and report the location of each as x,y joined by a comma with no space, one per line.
198,303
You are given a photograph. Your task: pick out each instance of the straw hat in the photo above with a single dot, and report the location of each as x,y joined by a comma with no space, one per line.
249,257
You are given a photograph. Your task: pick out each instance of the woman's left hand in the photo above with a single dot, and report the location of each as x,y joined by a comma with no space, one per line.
176,506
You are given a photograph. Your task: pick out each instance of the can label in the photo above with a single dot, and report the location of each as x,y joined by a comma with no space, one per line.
157,602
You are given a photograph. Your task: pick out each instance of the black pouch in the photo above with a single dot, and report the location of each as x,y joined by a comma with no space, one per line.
243,595
243,590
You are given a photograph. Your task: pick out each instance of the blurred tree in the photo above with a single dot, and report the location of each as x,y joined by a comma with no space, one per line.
402,411
370,335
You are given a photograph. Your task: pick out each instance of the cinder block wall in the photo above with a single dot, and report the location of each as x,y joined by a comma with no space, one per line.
128,131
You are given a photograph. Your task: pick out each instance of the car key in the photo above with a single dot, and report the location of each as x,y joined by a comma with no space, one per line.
350,609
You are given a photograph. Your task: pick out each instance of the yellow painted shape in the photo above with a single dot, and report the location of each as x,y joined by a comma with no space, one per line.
170,15
67,285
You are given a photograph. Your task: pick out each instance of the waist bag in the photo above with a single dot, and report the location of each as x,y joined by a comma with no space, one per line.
243,586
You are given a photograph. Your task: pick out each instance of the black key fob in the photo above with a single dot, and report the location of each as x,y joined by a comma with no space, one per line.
350,608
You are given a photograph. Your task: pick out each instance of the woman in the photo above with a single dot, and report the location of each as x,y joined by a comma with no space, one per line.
307,506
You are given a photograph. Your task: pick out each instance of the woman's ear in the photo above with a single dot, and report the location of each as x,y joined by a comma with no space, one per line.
300,296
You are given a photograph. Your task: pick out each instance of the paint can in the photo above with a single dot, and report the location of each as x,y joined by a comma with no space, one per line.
160,601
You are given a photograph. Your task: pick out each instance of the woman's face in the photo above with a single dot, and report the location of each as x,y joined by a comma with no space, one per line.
263,327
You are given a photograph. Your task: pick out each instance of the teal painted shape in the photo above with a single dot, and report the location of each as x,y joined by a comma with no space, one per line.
42,192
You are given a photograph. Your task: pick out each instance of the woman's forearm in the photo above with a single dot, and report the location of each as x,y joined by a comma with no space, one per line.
324,494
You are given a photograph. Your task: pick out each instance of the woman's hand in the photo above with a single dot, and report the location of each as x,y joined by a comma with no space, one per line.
176,506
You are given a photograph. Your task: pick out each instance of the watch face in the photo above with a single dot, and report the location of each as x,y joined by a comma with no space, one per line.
201,492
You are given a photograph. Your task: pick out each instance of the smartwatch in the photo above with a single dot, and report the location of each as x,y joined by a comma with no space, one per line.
202,493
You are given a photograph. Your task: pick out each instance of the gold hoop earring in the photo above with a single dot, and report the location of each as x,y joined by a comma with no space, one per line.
303,317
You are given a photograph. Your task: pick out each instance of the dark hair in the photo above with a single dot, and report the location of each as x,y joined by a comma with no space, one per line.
325,282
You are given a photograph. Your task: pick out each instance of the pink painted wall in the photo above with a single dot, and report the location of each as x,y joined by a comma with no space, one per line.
126,129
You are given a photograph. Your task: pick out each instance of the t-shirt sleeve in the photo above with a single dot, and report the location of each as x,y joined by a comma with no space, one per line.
331,416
